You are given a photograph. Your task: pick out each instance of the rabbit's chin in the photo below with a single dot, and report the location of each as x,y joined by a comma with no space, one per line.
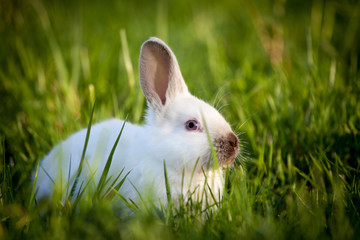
226,159
223,162
228,162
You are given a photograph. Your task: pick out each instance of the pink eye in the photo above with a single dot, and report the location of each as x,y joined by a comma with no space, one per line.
192,125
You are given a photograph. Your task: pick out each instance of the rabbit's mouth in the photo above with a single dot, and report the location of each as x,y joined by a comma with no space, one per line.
227,148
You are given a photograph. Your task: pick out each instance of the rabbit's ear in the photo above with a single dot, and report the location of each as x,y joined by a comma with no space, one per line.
160,76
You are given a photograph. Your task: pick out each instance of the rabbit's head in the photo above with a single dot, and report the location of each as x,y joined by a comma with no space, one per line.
179,121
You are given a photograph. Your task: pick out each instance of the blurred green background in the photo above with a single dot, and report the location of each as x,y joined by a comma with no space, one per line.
284,73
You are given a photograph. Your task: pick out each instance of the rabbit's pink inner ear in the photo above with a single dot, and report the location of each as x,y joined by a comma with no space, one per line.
161,82
154,71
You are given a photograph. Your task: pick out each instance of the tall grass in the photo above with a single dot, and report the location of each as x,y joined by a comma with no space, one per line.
288,74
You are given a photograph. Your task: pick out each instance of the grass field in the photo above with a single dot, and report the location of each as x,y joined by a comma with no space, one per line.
286,74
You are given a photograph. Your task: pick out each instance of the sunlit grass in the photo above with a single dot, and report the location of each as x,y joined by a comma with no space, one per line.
285,74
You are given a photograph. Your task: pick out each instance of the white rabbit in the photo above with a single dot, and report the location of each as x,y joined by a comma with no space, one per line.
175,132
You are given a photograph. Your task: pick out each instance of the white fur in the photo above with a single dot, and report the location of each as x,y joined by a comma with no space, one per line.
143,149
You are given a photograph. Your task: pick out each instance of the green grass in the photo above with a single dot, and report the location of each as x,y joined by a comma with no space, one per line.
285,73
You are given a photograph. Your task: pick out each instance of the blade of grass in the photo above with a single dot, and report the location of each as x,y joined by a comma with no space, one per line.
80,194
193,173
140,196
169,213
167,185
34,186
113,183
83,153
130,204
118,186
105,172
212,149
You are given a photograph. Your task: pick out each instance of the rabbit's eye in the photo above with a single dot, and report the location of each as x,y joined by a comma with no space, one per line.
192,125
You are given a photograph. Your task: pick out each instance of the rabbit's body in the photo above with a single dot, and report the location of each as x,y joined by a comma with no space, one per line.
145,174
175,132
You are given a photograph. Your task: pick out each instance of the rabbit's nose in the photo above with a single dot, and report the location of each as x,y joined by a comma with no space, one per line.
233,140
